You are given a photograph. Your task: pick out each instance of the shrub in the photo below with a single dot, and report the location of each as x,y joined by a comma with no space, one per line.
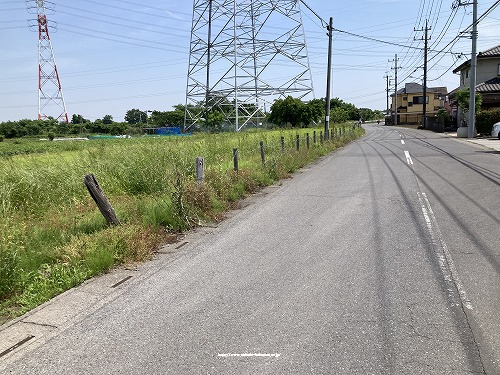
485,120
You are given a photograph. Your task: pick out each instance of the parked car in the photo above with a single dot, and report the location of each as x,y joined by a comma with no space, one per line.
495,130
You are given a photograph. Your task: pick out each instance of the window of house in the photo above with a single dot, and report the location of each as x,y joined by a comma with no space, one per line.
467,73
498,72
420,100
410,104
405,98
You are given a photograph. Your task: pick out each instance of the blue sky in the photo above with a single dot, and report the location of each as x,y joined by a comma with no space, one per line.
116,55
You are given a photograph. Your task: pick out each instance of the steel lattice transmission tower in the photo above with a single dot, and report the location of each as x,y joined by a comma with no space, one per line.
50,95
244,54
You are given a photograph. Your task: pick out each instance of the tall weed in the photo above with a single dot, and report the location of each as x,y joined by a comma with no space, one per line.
53,236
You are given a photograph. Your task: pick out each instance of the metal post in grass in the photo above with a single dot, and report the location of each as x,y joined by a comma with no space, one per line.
262,155
314,136
321,137
235,159
307,140
282,144
297,142
200,169
100,199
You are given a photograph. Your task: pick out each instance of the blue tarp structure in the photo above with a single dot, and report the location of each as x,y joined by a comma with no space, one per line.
168,130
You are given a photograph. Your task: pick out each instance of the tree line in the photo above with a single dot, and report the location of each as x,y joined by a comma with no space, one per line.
287,112
295,113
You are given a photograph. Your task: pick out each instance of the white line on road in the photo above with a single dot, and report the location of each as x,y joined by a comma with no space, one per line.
402,142
446,263
408,158
266,355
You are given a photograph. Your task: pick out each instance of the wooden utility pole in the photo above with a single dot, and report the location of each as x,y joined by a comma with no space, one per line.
100,199
328,79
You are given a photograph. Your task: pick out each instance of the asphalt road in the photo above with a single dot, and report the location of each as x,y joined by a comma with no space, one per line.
382,258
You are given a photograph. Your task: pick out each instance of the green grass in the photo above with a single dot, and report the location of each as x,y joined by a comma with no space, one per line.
53,236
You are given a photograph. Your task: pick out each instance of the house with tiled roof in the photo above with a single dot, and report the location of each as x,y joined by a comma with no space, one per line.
410,102
487,77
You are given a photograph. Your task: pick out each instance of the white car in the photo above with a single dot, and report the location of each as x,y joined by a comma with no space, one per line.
495,130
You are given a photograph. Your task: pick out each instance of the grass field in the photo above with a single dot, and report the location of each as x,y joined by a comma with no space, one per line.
53,237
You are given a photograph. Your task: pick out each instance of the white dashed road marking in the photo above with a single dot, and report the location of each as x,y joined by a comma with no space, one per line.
446,263
408,158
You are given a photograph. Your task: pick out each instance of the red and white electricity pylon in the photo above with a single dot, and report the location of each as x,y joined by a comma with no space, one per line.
50,96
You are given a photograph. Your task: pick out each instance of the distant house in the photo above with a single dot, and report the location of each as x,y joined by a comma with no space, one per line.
487,78
410,102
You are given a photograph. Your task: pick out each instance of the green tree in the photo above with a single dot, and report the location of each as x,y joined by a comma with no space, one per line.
351,110
463,99
118,128
286,111
366,114
378,114
167,118
339,115
136,116
214,120
78,119
99,127
108,120
313,112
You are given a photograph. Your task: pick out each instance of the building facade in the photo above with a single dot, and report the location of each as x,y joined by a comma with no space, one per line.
410,103
487,77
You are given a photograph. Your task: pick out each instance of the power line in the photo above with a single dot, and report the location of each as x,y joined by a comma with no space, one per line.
375,40
323,22
121,41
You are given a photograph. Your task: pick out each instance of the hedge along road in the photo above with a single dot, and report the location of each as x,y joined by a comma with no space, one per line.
377,259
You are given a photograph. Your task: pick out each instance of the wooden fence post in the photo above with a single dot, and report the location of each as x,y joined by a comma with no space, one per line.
235,159
200,169
297,141
314,136
282,144
100,199
307,140
262,155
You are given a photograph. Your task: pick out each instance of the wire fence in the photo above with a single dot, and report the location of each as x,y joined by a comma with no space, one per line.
154,167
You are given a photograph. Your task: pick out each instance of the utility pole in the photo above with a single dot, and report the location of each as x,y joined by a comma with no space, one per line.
328,80
473,69
424,110
395,89
387,111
